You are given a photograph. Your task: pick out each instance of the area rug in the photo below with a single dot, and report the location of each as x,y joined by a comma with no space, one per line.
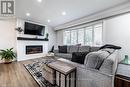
35,69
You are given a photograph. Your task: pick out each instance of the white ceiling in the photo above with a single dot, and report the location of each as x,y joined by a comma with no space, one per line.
52,9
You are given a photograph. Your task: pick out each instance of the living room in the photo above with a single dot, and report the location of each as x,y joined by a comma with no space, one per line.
65,43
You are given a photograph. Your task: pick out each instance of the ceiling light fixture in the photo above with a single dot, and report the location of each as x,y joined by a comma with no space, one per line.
28,14
39,0
64,13
48,21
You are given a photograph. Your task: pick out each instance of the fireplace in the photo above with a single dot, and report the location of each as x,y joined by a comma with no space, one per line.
34,49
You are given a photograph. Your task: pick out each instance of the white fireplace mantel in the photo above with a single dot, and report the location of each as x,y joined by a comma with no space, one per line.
21,49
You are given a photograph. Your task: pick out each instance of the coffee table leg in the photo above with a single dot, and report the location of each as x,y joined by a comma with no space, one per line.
65,81
70,80
75,79
59,79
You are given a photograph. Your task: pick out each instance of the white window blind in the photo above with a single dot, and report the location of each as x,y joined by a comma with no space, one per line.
67,38
81,36
90,35
98,34
73,37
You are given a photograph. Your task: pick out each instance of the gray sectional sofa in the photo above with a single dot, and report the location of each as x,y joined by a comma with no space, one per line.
71,49
98,69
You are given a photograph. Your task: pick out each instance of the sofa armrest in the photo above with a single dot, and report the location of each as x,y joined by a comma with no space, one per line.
93,78
109,65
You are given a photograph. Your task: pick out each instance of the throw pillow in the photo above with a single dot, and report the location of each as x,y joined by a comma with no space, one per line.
79,57
62,49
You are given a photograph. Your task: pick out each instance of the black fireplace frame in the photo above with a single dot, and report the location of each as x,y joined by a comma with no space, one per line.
34,47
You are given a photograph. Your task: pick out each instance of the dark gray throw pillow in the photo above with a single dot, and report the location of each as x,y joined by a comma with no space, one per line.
79,57
62,49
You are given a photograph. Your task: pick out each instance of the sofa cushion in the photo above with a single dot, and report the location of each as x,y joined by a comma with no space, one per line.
64,55
79,57
95,59
72,49
84,49
62,49
92,49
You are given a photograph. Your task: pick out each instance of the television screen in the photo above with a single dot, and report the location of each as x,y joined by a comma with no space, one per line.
34,29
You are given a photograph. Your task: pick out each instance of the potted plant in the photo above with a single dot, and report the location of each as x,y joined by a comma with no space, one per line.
19,29
8,55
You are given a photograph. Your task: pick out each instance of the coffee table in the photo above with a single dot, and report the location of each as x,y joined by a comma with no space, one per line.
63,69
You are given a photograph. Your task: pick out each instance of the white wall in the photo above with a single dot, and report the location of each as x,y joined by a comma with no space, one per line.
52,37
50,30
117,31
7,34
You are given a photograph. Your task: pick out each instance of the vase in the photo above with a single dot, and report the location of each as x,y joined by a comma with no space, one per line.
126,60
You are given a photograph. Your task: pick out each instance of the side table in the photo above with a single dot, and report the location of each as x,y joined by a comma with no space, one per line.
122,77
64,69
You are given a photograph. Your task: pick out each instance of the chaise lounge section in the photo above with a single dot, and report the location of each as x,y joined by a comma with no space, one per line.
98,69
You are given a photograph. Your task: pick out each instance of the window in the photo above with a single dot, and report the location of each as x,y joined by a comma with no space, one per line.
91,35
73,37
67,38
88,36
98,34
81,36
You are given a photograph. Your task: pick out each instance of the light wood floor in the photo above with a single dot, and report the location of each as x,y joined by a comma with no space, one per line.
15,75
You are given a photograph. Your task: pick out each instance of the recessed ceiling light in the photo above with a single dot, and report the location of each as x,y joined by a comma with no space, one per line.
39,0
28,14
48,21
64,13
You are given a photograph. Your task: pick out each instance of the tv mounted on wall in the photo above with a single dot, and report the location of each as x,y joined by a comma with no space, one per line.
34,29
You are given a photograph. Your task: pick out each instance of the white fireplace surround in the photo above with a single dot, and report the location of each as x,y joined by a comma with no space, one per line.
21,44
21,49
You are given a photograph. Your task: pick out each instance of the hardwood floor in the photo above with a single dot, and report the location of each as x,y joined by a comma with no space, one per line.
15,75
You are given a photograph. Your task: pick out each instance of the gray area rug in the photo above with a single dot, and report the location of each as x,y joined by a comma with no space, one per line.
35,69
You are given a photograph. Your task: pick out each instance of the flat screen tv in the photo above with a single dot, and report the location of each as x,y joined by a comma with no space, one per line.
34,29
